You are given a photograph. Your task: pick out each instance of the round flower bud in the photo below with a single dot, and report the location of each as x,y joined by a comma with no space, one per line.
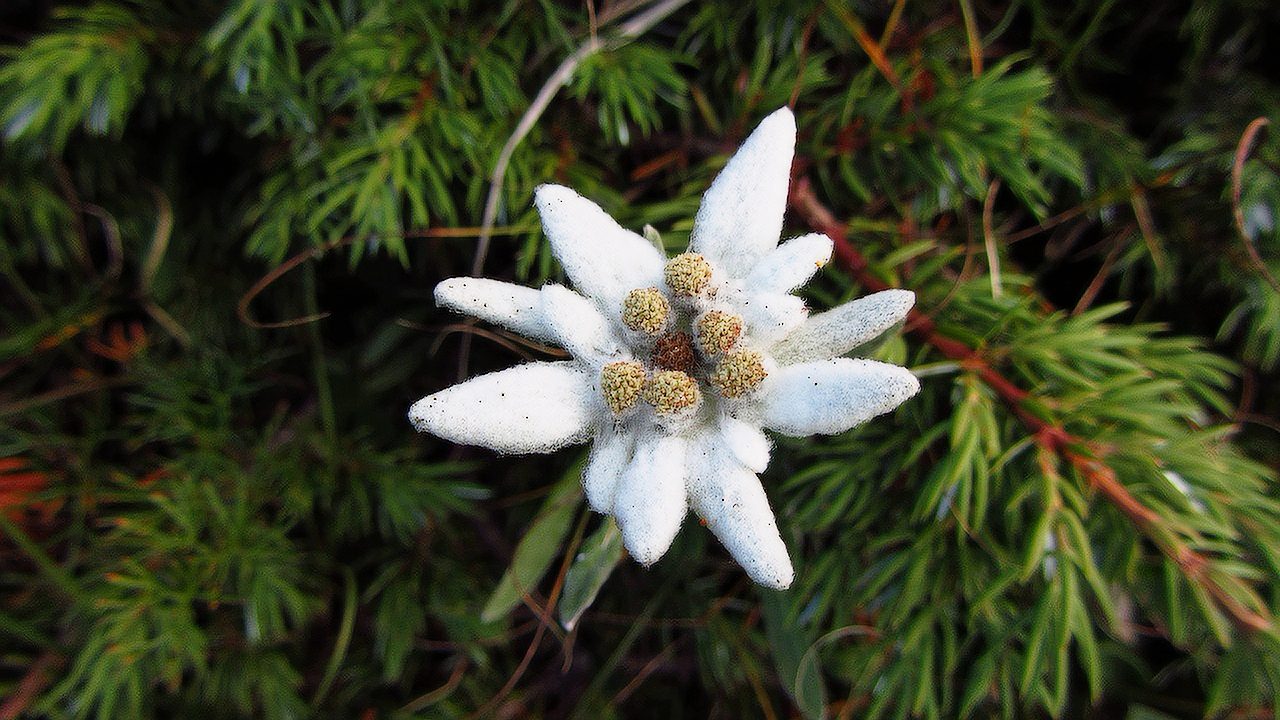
670,391
738,373
646,310
621,384
674,351
718,332
687,274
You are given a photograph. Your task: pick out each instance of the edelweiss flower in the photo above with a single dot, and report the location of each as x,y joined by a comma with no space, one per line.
678,364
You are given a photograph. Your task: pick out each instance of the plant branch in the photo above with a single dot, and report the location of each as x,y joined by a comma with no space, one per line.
1080,453
629,30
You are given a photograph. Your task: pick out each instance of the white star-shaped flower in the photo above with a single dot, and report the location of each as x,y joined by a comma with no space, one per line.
678,364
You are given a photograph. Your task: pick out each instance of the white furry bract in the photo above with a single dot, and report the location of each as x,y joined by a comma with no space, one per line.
651,499
645,468
576,324
611,453
604,260
831,396
791,264
836,332
740,218
533,408
731,500
514,307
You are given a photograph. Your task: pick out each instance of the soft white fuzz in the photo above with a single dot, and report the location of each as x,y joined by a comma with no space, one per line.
831,396
749,446
577,324
651,500
646,468
791,264
604,260
610,455
733,503
514,307
837,331
532,408
768,317
740,218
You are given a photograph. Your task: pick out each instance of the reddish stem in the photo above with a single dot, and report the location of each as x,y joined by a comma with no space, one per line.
1082,454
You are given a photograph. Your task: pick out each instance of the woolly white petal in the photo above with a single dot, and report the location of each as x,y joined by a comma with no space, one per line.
791,264
536,407
844,328
733,503
514,307
831,396
650,503
610,455
604,260
769,317
740,218
577,324
746,442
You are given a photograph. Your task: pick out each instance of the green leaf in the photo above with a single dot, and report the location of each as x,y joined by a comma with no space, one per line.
538,547
793,655
589,572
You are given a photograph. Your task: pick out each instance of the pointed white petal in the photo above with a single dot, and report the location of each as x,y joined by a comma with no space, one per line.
514,307
748,445
841,329
740,218
733,503
611,453
604,260
650,503
831,396
769,317
791,264
576,324
531,408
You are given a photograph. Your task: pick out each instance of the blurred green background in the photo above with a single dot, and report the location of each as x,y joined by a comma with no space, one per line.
222,222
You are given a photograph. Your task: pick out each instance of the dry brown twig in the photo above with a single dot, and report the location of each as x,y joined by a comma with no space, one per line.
1247,140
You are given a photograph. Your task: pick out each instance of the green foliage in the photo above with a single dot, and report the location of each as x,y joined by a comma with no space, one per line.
87,75
200,516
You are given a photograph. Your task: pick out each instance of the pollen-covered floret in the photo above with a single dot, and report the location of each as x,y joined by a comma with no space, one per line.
670,391
646,310
738,373
688,274
674,351
718,332
621,384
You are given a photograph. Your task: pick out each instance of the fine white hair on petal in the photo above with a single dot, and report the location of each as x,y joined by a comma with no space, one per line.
769,317
650,502
610,455
740,218
841,329
532,408
831,396
576,324
733,503
604,260
791,264
746,442
514,307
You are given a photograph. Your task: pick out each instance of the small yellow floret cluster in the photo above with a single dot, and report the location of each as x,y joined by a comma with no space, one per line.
621,384
738,373
646,310
670,391
687,274
718,332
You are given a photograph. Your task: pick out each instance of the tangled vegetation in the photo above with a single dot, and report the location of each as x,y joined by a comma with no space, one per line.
221,221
